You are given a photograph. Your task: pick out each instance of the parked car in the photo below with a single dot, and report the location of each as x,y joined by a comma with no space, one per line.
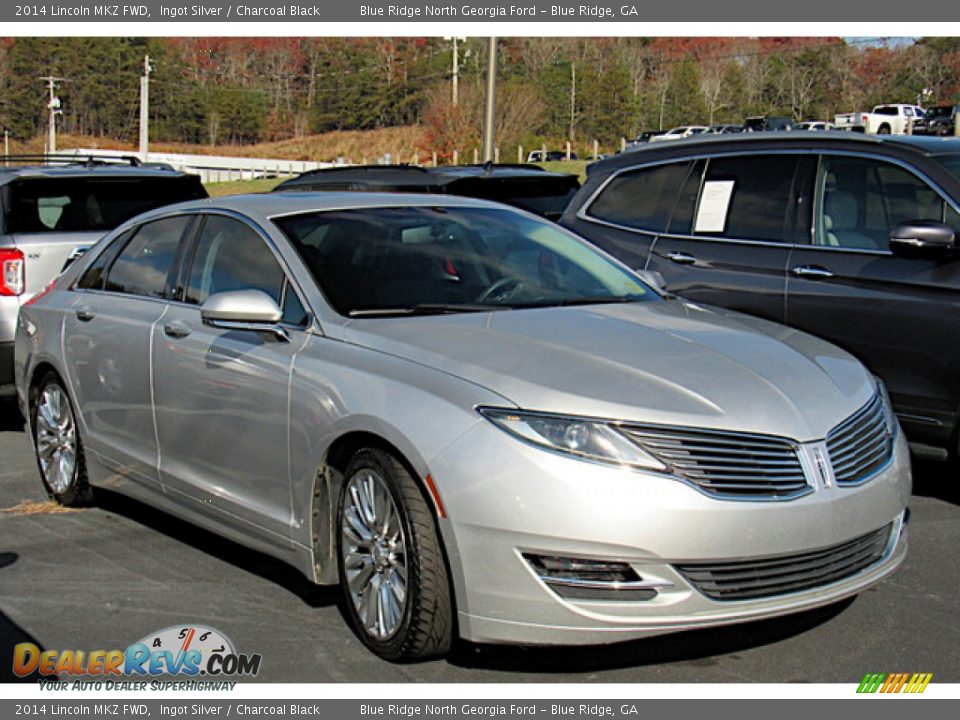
938,121
882,120
724,129
849,237
645,137
530,188
818,125
53,208
679,133
537,156
468,417
765,123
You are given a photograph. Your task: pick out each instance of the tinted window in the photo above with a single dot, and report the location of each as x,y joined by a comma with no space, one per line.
681,220
93,277
231,255
748,197
641,198
143,267
861,199
93,203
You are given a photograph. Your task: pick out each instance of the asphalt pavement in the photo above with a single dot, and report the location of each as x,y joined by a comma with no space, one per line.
107,576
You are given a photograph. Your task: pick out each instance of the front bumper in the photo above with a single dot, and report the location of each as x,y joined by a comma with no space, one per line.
505,499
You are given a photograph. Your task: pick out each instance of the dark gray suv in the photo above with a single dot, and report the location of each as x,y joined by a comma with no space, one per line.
848,237
52,208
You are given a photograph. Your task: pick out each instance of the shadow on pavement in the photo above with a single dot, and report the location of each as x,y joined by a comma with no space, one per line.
938,480
10,418
696,647
12,634
206,542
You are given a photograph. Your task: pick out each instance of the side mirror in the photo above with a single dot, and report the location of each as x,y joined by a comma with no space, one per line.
653,278
922,236
251,310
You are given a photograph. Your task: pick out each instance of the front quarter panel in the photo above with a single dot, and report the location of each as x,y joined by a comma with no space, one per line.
339,388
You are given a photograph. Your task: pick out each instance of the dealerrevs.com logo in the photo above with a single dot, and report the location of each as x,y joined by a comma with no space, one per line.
191,651
895,682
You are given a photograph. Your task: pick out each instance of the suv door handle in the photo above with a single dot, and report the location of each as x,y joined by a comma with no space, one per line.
681,258
85,314
814,272
177,329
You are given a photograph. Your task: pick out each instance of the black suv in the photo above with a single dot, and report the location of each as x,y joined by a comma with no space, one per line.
849,237
527,187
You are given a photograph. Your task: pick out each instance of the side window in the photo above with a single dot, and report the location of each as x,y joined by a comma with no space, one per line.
681,219
749,197
642,198
231,255
859,200
144,265
94,276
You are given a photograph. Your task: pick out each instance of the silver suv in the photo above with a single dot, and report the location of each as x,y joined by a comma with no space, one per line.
52,208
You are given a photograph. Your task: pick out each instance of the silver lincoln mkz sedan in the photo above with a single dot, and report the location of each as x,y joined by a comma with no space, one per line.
466,416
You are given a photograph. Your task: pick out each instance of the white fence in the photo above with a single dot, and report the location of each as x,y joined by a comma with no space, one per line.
216,168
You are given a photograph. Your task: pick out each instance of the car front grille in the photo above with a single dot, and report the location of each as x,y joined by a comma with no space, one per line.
860,445
723,463
779,575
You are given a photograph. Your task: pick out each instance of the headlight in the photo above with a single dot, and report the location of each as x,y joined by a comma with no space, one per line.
888,413
587,439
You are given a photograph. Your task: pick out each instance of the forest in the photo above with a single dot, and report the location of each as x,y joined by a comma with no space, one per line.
241,91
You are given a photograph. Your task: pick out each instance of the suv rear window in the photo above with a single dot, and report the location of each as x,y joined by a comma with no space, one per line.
90,204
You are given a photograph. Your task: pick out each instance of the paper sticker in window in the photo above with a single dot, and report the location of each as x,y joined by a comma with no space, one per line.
714,204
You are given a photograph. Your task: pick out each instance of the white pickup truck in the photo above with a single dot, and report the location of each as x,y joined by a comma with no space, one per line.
883,120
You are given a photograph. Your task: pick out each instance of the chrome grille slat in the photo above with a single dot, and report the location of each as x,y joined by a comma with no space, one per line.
726,463
860,445
778,575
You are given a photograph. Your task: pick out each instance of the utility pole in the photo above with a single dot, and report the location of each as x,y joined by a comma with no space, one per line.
456,72
573,99
145,109
53,108
491,101
6,143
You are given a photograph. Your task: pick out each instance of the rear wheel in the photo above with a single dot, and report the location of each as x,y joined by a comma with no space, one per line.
58,448
392,568
884,130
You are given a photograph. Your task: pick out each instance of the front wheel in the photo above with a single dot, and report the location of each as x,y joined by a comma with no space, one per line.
58,447
392,568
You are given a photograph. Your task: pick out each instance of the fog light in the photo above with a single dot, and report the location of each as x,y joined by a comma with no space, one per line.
600,580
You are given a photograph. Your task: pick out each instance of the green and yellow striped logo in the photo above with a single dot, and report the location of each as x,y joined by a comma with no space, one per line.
895,682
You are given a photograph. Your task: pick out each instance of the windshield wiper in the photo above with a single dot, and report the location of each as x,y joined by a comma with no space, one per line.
568,302
425,309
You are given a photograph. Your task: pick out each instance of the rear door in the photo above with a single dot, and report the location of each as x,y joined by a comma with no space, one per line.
631,209
107,332
732,231
899,315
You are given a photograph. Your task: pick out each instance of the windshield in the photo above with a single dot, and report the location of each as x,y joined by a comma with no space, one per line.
419,260
940,112
951,163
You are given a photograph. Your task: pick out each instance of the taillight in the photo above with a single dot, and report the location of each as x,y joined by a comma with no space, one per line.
48,289
12,277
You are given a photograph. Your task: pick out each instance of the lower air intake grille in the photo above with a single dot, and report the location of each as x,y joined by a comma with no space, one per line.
723,463
767,577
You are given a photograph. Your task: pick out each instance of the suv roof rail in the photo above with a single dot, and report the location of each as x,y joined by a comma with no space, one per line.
510,166
88,160
363,168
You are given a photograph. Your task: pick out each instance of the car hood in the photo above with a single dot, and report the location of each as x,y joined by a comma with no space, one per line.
670,362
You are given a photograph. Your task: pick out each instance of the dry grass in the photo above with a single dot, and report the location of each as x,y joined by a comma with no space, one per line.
34,507
354,145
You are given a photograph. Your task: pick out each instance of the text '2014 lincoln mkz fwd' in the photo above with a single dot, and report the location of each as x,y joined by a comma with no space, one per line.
472,420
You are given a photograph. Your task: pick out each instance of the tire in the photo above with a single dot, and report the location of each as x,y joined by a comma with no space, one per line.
883,129
56,440
391,563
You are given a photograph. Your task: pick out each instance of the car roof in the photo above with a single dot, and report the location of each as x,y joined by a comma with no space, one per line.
73,171
265,206
796,139
416,176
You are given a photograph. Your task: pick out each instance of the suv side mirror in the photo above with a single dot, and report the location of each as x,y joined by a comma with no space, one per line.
925,236
251,310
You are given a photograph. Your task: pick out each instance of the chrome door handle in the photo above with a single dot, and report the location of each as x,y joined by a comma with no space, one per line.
681,258
815,272
85,314
177,329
